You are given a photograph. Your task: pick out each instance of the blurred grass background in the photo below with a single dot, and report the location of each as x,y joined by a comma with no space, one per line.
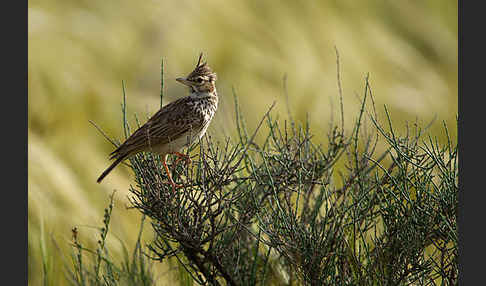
80,51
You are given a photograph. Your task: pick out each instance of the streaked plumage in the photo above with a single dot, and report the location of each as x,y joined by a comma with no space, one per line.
177,124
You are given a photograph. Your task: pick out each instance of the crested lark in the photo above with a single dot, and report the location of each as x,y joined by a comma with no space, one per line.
177,124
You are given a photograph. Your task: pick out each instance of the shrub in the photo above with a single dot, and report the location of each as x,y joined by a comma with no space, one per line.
287,210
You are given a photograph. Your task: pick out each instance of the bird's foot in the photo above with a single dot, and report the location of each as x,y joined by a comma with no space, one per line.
181,157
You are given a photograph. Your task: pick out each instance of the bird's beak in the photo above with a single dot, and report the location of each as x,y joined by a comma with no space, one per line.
184,81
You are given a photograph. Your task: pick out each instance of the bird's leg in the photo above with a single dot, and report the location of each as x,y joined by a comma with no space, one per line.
174,185
181,156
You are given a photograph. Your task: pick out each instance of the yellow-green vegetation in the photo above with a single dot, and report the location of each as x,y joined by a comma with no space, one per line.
80,51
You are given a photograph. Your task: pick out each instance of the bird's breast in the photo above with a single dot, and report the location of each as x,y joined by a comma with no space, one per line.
205,107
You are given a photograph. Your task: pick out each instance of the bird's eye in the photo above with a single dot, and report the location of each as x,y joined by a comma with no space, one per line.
199,80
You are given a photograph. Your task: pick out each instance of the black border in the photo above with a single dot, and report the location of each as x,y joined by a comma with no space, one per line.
14,117
460,137
14,211
471,122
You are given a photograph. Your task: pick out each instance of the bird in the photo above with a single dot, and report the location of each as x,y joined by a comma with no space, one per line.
177,124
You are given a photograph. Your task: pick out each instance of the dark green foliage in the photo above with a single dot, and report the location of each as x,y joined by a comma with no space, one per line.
246,207
285,210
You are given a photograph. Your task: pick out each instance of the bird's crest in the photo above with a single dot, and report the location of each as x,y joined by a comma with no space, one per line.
202,69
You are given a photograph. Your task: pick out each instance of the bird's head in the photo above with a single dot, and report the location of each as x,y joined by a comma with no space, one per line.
201,80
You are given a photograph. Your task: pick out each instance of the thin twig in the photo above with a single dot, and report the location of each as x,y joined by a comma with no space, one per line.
103,133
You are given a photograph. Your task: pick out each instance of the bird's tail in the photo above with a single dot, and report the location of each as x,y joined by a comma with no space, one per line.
108,170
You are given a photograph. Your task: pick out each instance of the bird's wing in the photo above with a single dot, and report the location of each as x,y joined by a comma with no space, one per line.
169,123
